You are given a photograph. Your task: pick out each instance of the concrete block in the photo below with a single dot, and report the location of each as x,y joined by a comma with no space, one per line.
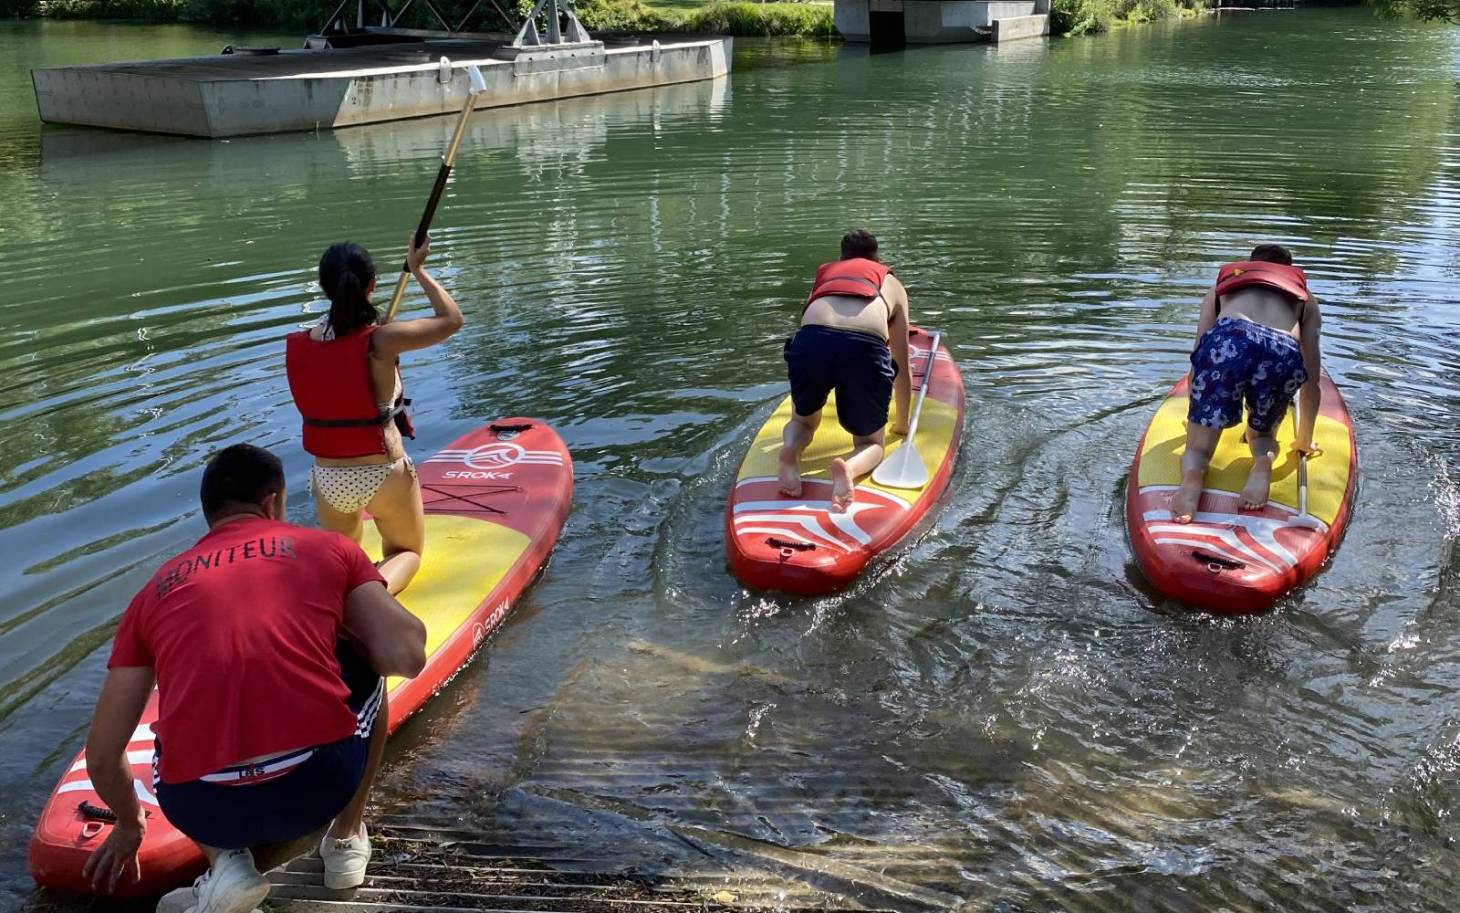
546,60
853,19
959,21
1019,27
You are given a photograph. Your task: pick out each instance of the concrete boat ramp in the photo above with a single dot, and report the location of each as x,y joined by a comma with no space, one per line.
240,94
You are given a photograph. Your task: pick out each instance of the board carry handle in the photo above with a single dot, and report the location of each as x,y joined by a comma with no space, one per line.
786,545
96,812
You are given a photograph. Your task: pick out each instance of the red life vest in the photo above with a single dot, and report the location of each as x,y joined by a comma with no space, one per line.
332,389
1289,280
856,277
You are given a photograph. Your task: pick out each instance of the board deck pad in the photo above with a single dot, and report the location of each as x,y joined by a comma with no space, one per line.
799,545
496,501
1230,560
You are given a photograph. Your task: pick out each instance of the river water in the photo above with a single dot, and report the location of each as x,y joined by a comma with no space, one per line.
1005,715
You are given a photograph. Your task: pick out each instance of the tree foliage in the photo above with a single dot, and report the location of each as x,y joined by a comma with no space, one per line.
1440,10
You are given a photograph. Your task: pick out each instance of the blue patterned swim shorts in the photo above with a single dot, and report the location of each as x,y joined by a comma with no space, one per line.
1238,360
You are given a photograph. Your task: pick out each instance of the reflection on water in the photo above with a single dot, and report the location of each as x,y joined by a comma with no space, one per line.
1003,715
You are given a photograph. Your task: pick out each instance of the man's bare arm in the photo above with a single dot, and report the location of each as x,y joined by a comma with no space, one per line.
119,708
393,639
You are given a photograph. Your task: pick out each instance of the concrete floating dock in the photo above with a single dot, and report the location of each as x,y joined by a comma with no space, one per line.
297,90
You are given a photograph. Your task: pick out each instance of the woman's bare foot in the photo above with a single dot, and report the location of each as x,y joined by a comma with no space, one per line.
1259,484
789,472
1187,495
843,486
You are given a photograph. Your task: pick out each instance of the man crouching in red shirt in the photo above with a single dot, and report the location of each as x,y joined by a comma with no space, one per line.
270,723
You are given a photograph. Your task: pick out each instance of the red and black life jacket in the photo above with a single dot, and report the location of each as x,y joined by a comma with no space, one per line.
332,389
857,277
1289,280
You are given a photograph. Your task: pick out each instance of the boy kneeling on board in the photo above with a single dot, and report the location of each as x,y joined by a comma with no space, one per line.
853,339
1257,341
268,643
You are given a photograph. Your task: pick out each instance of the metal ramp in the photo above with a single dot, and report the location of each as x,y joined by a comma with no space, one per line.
418,868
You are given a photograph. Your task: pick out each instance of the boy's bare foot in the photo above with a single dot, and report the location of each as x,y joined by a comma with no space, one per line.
1259,484
843,486
1185,498
789,472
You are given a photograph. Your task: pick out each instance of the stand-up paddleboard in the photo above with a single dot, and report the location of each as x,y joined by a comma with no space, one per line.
495,503
1227,559
799,545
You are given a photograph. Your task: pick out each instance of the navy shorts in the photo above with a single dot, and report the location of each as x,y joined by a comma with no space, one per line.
857,366
252,805
1239,361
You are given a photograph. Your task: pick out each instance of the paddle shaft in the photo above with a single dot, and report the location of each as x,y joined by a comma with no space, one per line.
1302,462
912,426
448,159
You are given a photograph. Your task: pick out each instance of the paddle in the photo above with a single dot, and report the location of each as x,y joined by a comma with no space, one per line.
1303,518
478,85
904,469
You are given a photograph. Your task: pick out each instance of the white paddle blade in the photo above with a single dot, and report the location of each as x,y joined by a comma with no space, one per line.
903,469
478,84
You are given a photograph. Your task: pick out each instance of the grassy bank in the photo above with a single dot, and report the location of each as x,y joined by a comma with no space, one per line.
812,20
1089,17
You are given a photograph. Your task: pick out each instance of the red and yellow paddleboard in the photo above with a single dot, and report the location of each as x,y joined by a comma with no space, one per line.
496,501
1230,560
798,545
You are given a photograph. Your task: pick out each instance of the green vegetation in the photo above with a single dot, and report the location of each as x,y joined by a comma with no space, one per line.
1441,10
245,13
735,17
1086,17
812,19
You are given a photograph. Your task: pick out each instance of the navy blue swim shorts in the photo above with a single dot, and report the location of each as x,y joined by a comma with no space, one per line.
857,366
284,798
1239,361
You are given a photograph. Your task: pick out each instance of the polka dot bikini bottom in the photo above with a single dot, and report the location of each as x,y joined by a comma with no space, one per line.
348,489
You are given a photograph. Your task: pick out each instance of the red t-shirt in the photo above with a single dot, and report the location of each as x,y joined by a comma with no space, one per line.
241,630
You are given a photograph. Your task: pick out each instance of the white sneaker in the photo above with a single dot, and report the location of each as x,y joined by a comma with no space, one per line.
179,900
345,861
232,885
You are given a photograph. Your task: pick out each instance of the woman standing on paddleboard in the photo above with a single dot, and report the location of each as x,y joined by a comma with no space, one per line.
345,378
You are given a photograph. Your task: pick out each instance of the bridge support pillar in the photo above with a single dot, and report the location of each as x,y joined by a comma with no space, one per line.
898,22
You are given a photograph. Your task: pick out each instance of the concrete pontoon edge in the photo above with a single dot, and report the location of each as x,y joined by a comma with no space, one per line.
237,95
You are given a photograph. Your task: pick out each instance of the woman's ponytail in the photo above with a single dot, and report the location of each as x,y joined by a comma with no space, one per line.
345,273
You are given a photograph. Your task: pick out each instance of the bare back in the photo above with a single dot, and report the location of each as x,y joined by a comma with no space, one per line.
873,316
1264,306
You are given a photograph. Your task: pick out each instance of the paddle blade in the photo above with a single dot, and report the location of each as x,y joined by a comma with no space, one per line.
903,469
478,84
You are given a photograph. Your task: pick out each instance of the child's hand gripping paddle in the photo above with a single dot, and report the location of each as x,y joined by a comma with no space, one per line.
904,469
477,86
